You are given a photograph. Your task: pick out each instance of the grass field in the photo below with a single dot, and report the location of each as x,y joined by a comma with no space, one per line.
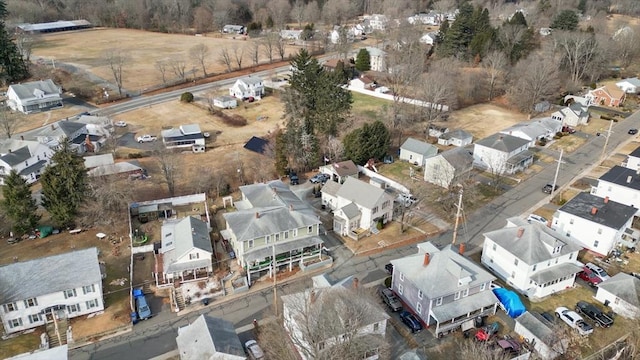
483,120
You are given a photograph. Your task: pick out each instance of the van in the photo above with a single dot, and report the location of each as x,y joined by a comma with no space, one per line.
141,305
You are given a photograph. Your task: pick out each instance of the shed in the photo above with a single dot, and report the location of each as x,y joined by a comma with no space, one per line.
539,333
416,151
225,102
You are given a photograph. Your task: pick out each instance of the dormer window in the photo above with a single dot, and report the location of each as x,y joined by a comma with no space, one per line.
557,249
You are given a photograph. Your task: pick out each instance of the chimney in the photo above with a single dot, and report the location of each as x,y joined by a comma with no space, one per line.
520,233
461,249
290,207
606,199
426,259
257,215
53,126
355,282
594,210
312,296
629,179
21,137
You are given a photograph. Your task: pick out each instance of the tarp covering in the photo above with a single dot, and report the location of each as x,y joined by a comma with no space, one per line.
45,231
511,302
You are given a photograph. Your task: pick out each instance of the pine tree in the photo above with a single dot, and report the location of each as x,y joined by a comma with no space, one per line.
64,186
369,141
12,65
18,204
565,20
363,60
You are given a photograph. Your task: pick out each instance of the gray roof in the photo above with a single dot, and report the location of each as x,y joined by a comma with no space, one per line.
624,286
16,156
535,128
503,142
633,81
281,247
345,168
185,234
446,267
456,134
38,165
251,80
270,220
536,243
466,305
47,275
98,160
117,168
26,90
361,193
351,211
555,272
459,158
610,214
54,25
636,152
331,188
224,98
419,147
622,176
209,338
537,325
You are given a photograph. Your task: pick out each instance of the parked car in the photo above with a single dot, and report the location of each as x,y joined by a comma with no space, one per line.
319,178
142,308
146,138
633,131
509,345
537,218
254,350
574,320
568,129
486,332
589,277
293,178
389,298
545,315
547,188
600,272
593,313
389,268
120,123
411,321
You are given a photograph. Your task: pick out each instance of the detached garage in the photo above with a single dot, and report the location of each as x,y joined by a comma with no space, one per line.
225,102
540,334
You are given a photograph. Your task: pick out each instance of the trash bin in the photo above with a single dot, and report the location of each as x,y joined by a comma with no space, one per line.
134,318
479,321
205,301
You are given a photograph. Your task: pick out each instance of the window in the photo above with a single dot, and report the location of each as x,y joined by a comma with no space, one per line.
570,256
494,247
400,289
309,229
70,293
92,303
286,235
10,307
276,237
374,210
483,286
321,346
250,244
15,323
534,267
456,296
88,289
73,308
267,238
34,318
410,157
513,274
295,232
30,302
595,243
419,294
401,276
599,231
385,204
419,308
191,257
571,222
515,262
376,326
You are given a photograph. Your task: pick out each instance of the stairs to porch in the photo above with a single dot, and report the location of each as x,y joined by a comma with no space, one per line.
57,332
179,299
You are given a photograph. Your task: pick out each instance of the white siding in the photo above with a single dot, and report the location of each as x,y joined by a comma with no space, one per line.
618,305
595,237
617,193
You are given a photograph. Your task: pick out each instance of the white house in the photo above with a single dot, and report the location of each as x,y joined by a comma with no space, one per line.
416,151
429,38
85,134
209,338
449,167
532,258
27,158
633,160
63,286
622,293
328,314
456,137
534,130
340,171
376,22
629,85
247,87
290,34
34,96
442,287
233,29
619,184
184,136
595,223
362,82
376,58
572,115
538,332
225,102
358,206
185,249
502,154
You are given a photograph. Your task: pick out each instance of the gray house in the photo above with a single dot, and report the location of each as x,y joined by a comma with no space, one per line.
502,154
34,96
457,137
209,338
443,288
416,151
449,167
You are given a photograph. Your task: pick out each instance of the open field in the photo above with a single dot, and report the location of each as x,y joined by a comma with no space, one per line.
143,49
483,120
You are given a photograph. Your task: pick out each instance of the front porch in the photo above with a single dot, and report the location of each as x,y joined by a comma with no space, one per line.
451,316
177,274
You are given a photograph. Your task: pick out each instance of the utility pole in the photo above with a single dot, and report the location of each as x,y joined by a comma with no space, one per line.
455,227
275,284
606,141
555,178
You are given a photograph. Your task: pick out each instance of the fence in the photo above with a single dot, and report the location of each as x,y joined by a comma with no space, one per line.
394,184
142,249
390,97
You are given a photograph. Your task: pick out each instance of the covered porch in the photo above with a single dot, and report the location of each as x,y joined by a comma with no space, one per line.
177,273
553,279
451,316
519,162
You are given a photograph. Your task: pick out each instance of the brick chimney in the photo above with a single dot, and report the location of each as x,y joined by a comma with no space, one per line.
312,296
461,249
427,257
53,126
356,283
520,233
290,207
594,210
257,215
606,199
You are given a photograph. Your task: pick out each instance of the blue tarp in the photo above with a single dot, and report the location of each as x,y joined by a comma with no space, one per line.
137,293
511,302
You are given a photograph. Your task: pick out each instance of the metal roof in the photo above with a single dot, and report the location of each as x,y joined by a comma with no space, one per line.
55,25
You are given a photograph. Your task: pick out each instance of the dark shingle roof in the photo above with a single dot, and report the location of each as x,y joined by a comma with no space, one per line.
17,156
636,152
256,144
622,176
610,214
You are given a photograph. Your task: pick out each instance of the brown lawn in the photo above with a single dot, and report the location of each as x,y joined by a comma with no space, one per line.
483,120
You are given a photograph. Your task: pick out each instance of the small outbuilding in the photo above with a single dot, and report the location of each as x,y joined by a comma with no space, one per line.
225,102
416,151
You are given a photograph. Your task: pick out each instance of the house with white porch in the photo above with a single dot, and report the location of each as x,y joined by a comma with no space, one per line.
633,160
534,130
85,134
455,137
50,289
532,258
248,87
184,136
271,220
597,224
34,96
354,317
449,168
502,154
619,184
209,338
540,333
622,293
27,158
357,206
416,151
340,171
629,85
442,287
573,115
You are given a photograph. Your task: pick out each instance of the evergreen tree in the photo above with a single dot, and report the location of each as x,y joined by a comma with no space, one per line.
565,20
18,204
363,60
12,65
281,154
469,35
64,185
369,141
518,19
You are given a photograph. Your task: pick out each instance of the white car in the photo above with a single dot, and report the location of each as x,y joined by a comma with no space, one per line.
574,320
253,350
146,138
537,218
598,271
120,124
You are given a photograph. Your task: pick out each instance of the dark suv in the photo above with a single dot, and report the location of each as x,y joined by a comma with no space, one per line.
590,311
547,188
293,178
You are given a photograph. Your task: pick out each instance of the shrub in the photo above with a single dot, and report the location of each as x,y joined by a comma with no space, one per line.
135,155
186,97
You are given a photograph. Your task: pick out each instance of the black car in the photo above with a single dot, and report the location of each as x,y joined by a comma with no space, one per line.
632,131
547,188
389,268
594,314
550,318
294,179
411,321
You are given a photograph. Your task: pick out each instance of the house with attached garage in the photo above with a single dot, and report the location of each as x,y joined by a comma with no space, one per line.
449,167
537,129
27,158
595,223
502,154
607,95
633,160
248,87
357,206
416,151
340,171
209,338
456,137
532,258
185,251
622,293
50,289
540,334
572,115
362,82
271,220
34,96
445,289
629,85
184,136
329,315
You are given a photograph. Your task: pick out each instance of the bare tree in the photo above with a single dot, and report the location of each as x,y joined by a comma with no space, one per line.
509,36
162,67
254,52
275,335
297,12
179,67
109,197
280,10
281,47
343,43
334,149
116,61
578,51
25,43
199,54
169,163
478,350
269,45
494,65
238,54
626,46
202,19
224,58
436,88
9,121
534,79
311,12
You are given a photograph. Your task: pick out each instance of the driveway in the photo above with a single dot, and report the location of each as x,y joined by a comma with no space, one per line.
128,139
